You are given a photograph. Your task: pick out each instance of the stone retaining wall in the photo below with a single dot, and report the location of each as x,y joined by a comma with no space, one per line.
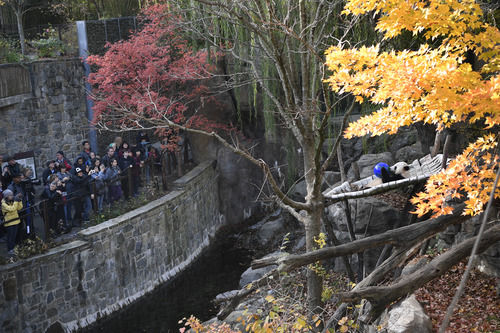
42,108
113,263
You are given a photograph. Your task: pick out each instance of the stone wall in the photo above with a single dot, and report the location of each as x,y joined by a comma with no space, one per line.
113,263
46,113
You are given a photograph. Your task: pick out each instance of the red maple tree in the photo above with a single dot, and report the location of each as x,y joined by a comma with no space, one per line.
152,80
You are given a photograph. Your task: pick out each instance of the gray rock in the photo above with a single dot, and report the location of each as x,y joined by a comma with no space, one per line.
251,275
489,265
299,191
373,212
405,137
408,317
331,178
300,244
409,153
370,215
235,319
270,230
368,161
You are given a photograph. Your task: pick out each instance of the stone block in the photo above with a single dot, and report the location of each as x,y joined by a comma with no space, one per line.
10,289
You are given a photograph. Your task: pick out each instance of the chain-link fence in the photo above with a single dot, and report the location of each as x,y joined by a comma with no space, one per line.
50,41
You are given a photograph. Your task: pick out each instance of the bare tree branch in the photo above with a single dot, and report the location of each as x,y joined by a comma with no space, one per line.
381,296
401,237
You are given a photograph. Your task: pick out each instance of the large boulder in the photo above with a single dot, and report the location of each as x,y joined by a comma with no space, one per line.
409,153
367,162
404,137
271,230
408,317
251,275
370,216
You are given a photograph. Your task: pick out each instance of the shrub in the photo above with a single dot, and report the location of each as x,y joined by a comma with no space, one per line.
49,45
8,52
31,247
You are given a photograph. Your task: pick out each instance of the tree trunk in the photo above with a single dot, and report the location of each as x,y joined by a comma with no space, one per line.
314,281
312,225
20,29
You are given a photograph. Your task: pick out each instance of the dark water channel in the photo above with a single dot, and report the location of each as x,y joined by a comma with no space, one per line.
217,270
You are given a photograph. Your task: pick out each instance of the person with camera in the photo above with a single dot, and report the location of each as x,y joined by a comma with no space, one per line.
98,175
12,168
54,206
64,177
81,195
50,170
22,183
16,186
11,204
79,163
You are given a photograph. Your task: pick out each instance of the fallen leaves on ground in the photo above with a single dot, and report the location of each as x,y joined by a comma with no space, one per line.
478,309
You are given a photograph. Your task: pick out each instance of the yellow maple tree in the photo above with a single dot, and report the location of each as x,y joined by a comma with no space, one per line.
433,85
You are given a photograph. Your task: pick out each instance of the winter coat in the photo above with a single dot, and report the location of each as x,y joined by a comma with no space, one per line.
125,163
80,186
113,175
46,174
98,178
61,176
64,162
106,160
16,189
86,157
10,213
53,197
136,169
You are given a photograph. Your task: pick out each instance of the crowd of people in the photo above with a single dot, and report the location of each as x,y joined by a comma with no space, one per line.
72,190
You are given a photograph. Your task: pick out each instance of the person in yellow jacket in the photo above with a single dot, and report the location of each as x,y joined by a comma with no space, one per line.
10,208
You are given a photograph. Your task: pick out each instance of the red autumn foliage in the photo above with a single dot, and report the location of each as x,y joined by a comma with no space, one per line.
478,309
150,79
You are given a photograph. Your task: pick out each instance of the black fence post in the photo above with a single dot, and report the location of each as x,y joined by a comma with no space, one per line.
130,185
94,197
164,157
45,219
179,162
